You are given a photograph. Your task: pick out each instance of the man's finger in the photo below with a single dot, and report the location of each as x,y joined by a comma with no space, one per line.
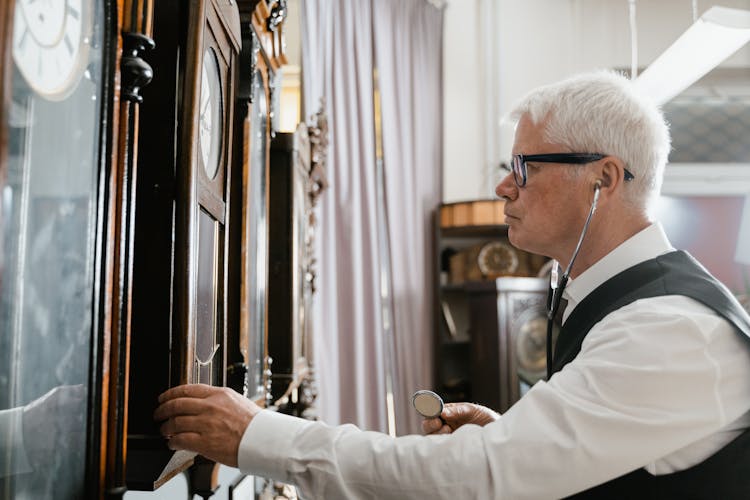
181,406
454,415
204,446
186,391
181,424
435,426
445,429
185,441
430,425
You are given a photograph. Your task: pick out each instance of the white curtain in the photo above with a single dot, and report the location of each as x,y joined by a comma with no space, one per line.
408,51
341,41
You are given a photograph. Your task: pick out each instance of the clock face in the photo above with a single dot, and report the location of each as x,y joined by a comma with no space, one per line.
531,350
497,258
531,345
51,44
210,114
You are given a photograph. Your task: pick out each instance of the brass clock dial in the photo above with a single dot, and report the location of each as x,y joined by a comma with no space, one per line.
531,349
51,44
210,119
531,346
497,258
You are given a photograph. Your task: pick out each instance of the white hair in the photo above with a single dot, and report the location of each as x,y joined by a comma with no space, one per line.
602,112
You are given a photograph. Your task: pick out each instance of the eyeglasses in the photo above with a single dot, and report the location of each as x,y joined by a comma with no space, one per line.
520,174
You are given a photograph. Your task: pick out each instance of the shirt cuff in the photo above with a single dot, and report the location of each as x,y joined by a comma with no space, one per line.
265,447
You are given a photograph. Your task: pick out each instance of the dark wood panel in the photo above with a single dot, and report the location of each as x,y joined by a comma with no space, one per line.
281,262
152,304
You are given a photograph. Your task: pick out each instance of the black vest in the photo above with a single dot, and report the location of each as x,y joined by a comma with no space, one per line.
724,475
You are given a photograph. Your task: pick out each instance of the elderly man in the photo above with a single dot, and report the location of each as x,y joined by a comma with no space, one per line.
649,393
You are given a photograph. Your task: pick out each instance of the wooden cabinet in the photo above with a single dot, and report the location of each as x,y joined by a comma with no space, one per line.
483,286
508,332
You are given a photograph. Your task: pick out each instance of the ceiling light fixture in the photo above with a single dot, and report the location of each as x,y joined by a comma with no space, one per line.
716,35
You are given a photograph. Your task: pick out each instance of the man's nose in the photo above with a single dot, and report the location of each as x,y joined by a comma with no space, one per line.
507,188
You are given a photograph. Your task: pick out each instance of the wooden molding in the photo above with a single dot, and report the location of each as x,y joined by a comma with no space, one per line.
6,19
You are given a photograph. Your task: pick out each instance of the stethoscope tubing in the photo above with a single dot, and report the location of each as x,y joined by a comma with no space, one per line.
558,288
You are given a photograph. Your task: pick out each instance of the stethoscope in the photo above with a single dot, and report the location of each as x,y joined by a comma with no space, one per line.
558,287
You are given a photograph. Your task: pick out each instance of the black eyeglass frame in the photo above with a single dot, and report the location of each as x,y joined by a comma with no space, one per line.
520,173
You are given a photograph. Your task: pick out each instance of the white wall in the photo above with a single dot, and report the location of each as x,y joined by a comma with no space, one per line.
462,153
539,41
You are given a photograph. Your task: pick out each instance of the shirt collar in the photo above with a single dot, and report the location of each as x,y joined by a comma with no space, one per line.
644,245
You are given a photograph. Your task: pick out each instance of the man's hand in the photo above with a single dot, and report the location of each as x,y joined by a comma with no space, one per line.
455,415
208,420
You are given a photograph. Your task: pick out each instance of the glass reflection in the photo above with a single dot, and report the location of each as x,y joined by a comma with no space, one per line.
47,228
207,326
257,254
299,254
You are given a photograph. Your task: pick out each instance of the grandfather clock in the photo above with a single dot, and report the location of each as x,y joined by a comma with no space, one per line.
262,56
298,177
201,245
203,187
183,223
53,88
68,101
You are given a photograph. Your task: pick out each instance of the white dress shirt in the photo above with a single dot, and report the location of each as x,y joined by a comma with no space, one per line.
662,383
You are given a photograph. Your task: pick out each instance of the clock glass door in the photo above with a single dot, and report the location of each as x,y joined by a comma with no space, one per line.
207,128
256,221
47,246
301,250
210,221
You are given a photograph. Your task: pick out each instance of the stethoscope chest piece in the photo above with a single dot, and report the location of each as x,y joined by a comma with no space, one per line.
427,403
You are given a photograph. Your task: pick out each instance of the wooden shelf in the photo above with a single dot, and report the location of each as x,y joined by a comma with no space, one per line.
485,231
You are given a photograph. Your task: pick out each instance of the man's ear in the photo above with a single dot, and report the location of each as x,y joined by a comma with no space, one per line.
611,172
